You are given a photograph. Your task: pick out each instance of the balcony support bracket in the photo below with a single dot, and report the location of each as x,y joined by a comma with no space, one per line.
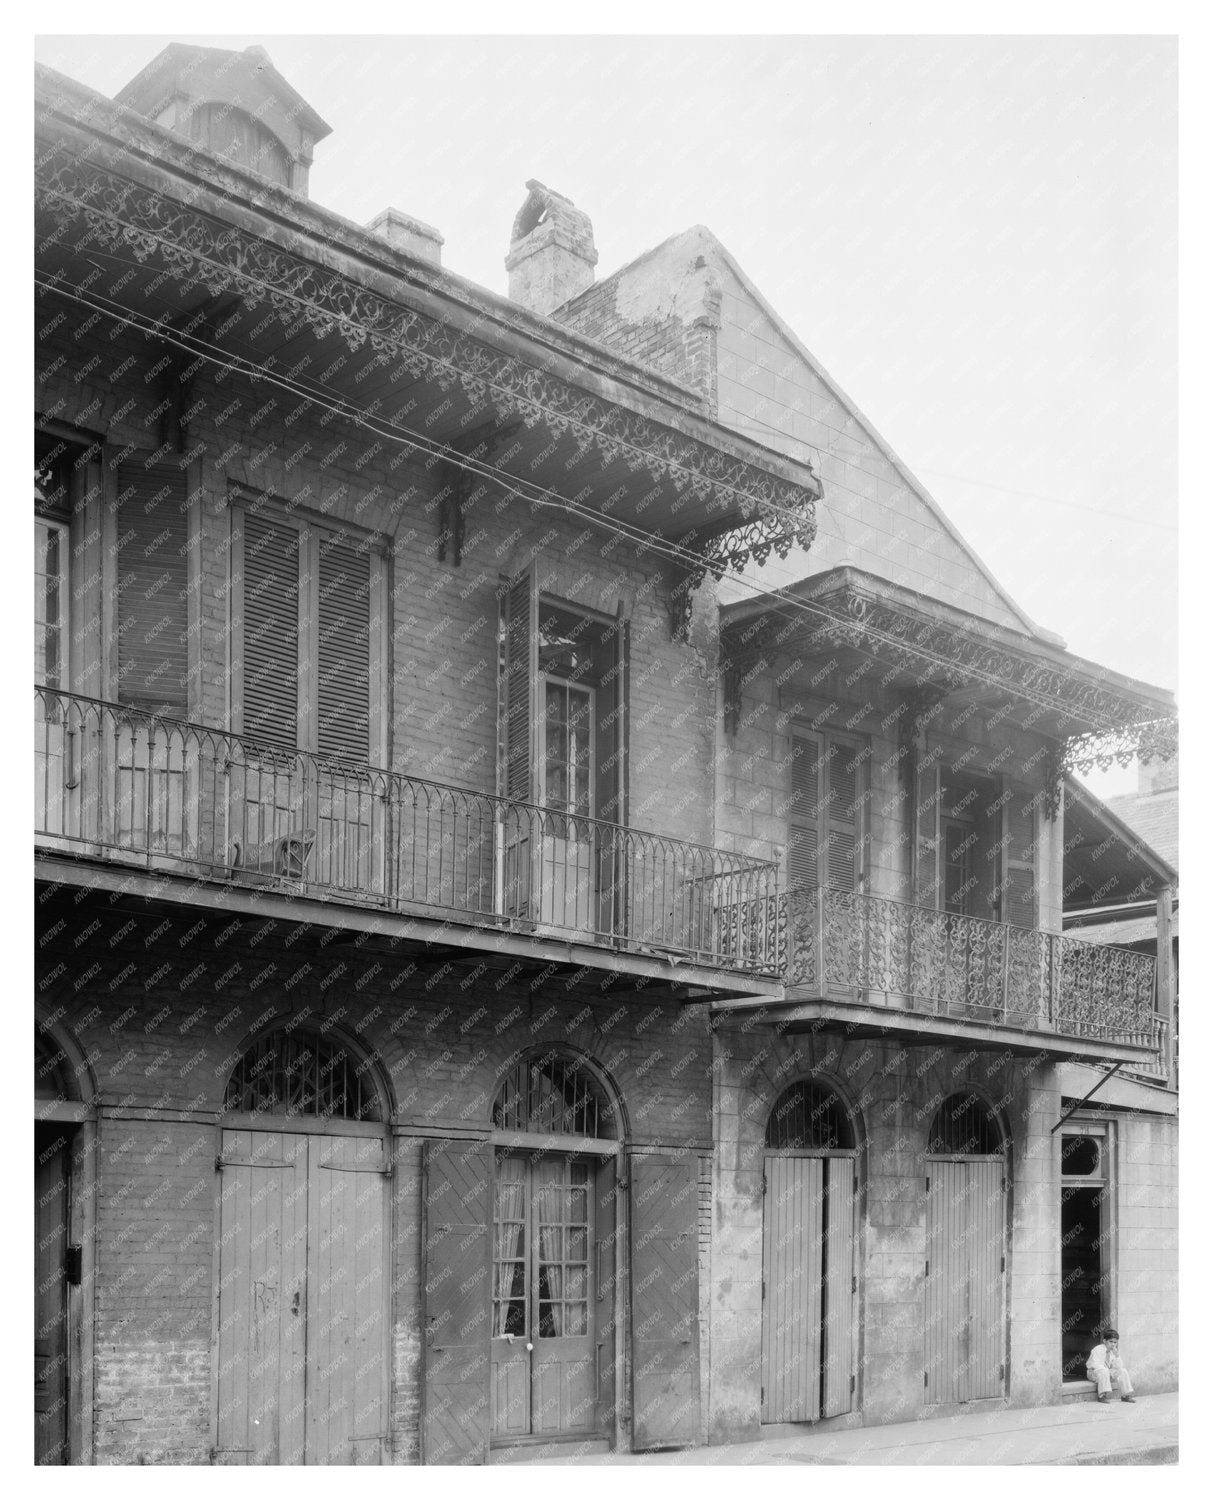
1112,1071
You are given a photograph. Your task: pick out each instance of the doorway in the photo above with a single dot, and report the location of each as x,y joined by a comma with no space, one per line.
1085,1262
52,1218
302,1335
544,1352
808,1252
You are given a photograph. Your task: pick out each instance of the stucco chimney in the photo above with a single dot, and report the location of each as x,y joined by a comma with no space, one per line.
552,255
402,232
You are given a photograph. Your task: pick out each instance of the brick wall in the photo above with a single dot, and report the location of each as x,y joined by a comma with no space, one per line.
161,1041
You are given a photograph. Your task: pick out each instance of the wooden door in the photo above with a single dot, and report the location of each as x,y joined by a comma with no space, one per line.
347,1326
302,1299
808,1287
457,1301
262,1290
52,1177
545,1348
665,1300
965,1273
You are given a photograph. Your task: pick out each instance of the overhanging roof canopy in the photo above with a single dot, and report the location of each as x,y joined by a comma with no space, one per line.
936,653
134,222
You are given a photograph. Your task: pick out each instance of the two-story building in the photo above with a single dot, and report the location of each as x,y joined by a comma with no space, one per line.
501,983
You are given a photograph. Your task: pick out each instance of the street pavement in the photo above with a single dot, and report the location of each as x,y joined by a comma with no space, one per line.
1144,1432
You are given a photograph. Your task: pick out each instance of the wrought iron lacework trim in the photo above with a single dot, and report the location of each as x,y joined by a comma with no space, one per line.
118,212
965,1125
303,1073
809,1116
554,1095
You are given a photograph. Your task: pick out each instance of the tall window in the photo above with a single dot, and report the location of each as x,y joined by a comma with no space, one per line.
50,602
307,651
567,724
826,793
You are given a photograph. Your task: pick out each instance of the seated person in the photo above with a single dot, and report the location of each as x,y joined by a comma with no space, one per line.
1104,1366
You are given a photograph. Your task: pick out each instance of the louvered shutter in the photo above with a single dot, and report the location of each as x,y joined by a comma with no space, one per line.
521,685
152,626
1019,859
270,644
843,789
343,650
927,837
804,808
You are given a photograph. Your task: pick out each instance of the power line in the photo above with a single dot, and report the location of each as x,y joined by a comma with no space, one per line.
525,490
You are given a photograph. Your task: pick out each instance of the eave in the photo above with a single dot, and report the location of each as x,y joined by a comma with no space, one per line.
214,255
924,647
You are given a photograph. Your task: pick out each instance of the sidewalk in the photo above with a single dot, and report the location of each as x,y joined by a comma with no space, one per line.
1146,1432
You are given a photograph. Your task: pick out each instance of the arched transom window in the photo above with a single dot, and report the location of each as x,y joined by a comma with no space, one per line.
554,1094
303,1073
965,1125
809,1116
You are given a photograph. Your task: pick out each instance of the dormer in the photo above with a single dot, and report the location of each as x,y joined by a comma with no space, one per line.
233,104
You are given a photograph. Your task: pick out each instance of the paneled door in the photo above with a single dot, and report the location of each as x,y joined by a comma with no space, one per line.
546,1349
52,1176
302,1358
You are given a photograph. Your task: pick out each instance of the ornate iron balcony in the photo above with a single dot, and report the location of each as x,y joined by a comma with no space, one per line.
118,784
851,946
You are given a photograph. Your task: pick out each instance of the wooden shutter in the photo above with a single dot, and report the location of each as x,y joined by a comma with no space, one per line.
804,811
1018,903
665,1300
838,1331
927,863
270,631
152,627
343,650
522,686
457,1310
844,826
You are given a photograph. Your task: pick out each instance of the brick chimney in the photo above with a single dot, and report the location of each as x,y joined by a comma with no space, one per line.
552,255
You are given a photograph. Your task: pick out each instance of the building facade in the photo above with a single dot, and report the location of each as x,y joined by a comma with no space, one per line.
500,983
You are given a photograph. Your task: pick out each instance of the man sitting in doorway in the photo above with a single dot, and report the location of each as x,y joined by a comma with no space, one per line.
1104,1366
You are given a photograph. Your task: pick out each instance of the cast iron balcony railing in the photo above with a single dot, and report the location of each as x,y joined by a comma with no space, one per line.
852,946
119,784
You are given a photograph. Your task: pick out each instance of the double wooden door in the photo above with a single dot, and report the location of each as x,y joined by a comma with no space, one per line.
303,1299
550,1348
808,1284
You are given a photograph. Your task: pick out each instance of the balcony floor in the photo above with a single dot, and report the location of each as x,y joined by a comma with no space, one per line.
648,974
875,1021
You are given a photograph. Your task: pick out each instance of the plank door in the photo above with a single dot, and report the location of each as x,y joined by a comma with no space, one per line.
457,1301
792,1257
838,1323
966,1227
347,1300
665,1300
51,1181
263,1231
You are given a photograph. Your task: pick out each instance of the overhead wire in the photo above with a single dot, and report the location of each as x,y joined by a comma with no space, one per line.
523,489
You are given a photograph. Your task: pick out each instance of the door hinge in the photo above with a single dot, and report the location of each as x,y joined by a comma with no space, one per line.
852,1383
762,1395
764,1288
928,1268
219,1164
928,1184
854,1284
764,1184
924,1379
854,1184
1003,1267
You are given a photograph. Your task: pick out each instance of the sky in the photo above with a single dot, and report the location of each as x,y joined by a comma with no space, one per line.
975,236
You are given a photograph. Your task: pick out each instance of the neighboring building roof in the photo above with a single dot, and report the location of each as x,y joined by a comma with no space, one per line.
699,239
1128,930
1154,817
